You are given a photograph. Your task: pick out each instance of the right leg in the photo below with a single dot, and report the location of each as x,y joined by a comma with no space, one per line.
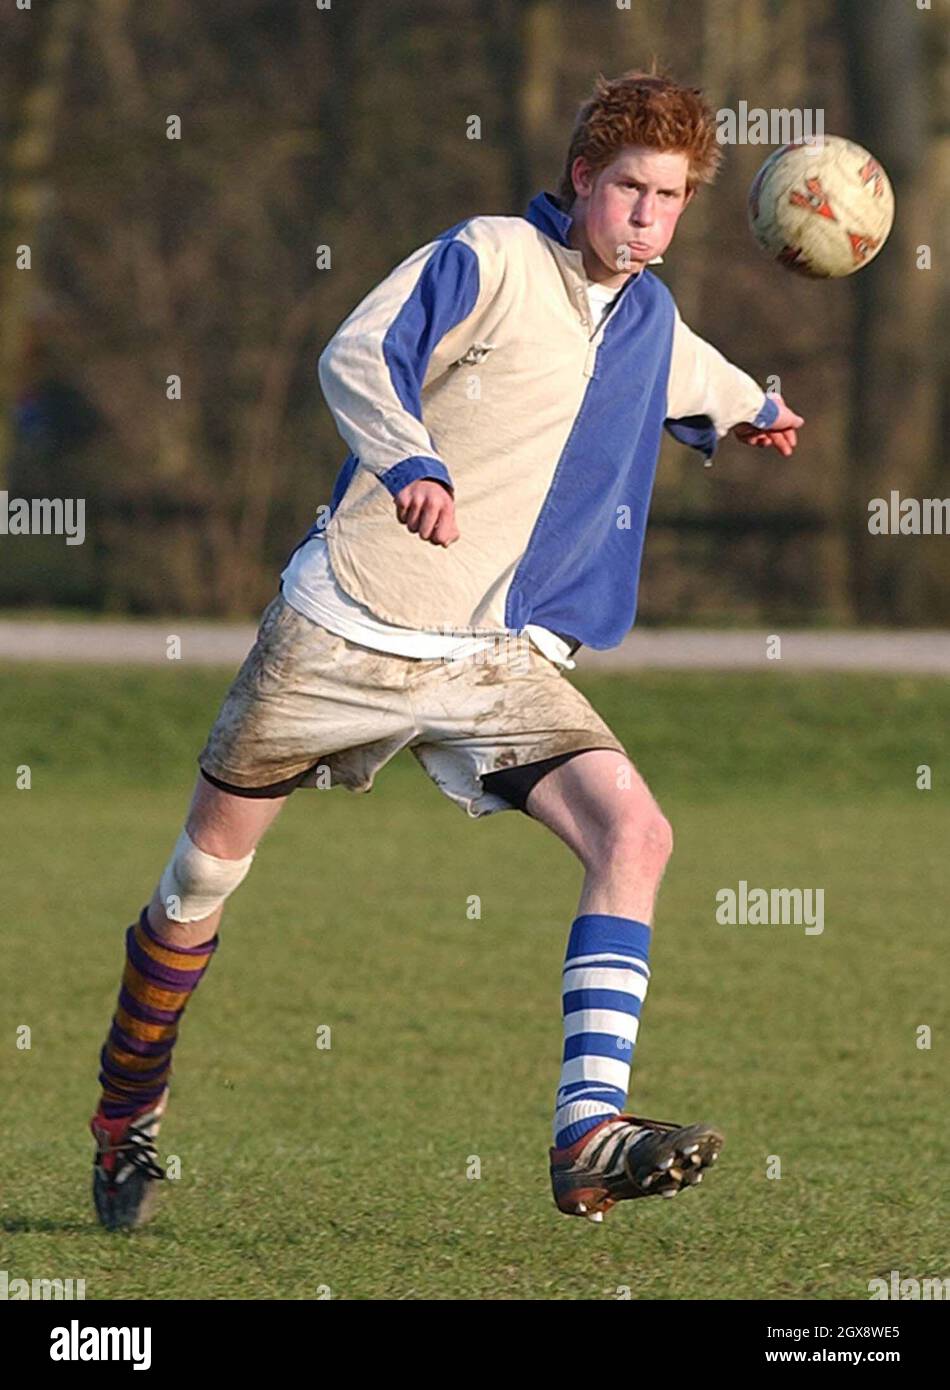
167,953
226,826
303,698
172,944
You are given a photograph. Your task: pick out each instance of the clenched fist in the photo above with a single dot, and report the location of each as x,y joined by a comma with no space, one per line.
428,509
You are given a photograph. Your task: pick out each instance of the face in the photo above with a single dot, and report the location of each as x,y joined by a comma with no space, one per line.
628,213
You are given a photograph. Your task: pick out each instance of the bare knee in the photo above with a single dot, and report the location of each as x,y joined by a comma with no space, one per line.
210,860
639,840
660,834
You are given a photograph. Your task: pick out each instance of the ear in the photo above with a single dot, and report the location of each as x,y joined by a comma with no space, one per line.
689,198
580,173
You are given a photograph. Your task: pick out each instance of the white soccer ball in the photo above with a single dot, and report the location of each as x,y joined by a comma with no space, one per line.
823,209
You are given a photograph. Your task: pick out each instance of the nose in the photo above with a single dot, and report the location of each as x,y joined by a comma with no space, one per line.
644,211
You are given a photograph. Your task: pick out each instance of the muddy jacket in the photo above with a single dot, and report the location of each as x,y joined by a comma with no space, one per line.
475,362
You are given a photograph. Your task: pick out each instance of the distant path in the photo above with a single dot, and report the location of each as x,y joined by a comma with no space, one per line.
686,649
216,644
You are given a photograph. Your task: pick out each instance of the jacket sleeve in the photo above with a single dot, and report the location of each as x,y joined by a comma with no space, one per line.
707,395
373,368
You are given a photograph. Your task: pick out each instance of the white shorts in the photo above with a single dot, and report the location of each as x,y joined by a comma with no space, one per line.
310,709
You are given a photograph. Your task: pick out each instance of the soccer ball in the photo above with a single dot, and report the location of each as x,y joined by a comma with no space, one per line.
823,209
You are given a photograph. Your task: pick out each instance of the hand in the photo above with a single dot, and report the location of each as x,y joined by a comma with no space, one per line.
783,434
428,509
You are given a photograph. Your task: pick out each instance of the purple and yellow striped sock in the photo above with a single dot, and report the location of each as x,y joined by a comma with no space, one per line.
157,983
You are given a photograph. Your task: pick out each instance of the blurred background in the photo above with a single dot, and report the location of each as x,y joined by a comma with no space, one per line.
347,128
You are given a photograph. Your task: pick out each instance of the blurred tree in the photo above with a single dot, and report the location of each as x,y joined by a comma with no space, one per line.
350,129
217,289
33,90
522,42
896,358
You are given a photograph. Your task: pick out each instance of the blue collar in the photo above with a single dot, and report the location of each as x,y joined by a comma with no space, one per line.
544,213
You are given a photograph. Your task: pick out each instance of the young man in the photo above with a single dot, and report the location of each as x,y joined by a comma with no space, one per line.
503,393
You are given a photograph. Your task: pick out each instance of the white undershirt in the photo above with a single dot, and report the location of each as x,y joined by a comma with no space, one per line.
309,586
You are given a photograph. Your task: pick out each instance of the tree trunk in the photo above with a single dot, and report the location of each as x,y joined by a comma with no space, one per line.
894,368
523,44
28,192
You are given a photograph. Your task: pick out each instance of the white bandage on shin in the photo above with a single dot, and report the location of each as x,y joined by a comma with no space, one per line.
195,884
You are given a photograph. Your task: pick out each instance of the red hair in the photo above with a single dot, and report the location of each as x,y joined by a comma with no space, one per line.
643,108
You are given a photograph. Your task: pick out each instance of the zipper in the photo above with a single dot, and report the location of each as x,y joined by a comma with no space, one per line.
593,346
580,297
593,338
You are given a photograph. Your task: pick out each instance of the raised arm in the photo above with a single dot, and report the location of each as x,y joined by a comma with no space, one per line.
707,395
373,368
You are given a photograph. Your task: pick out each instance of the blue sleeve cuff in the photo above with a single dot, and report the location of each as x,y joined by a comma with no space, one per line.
768,415
411,470
696,431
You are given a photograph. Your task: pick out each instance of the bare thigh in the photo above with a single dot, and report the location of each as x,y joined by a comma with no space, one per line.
227,826
594,800
600,806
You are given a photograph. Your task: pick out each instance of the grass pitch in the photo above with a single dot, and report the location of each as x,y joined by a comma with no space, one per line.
350,1169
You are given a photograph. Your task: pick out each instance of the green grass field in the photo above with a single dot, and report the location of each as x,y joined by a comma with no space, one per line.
305,1168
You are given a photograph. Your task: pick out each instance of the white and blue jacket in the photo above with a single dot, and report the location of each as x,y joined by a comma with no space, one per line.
476,362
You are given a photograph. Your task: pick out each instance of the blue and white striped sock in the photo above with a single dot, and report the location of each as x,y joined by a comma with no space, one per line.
605,982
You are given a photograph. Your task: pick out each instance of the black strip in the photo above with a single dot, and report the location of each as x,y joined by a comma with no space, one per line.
573,643
273,789
515,784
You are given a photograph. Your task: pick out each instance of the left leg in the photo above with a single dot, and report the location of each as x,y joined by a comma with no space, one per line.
600,806
521,736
